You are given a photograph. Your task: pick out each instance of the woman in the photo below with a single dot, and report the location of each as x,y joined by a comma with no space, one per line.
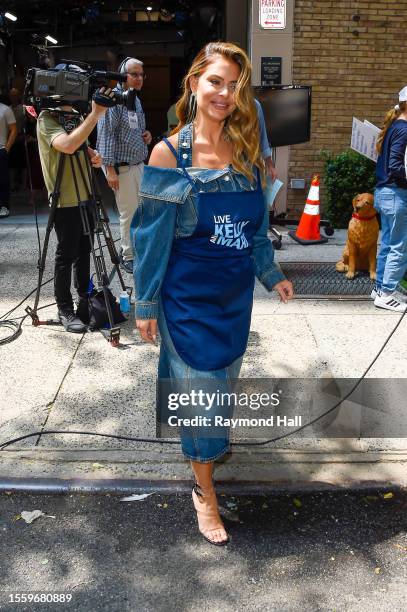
391,202
200,236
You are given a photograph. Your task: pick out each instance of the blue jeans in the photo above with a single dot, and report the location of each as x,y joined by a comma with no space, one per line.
197,444
391,203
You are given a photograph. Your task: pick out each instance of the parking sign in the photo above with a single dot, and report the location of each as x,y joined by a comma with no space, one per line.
272,14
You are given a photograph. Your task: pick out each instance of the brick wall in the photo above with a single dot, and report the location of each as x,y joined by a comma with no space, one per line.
355,67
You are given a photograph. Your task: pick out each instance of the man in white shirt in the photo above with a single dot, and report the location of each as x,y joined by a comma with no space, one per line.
8,134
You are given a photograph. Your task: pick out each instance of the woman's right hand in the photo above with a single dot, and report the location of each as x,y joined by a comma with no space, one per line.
147,329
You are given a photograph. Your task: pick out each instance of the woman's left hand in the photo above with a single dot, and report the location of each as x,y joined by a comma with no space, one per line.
285,290
147,329
270,169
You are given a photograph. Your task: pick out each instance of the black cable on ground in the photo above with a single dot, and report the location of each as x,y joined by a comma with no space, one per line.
87,433
343,399
260,443
12,323
25,299
15,329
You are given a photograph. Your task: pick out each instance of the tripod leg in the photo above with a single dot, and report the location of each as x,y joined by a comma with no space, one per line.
114,334
114,256
87,208
42,260
104,223
93,231
41,267
99,260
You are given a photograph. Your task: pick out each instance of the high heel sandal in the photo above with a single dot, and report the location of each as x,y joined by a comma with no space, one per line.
205,512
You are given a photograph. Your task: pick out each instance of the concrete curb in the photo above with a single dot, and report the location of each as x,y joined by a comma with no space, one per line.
88,471
52,486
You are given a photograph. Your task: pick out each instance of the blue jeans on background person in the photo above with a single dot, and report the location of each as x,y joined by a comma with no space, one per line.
197,444
391,203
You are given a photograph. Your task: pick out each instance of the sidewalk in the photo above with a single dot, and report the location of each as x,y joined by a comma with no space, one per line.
54,380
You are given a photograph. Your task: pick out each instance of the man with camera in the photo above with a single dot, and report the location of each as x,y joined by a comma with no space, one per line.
73,245
122,143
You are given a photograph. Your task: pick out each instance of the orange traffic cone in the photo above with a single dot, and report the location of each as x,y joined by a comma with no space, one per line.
308,228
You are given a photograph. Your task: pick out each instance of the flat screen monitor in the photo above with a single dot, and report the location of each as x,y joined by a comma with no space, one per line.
287,112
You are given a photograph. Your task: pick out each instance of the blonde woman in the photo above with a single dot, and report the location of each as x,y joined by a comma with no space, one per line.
200,236
391,202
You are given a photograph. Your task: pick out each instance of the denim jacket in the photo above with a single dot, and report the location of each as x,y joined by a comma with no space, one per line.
167,211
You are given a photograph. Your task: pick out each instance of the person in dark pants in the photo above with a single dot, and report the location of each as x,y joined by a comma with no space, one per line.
73,250
8,133
73,247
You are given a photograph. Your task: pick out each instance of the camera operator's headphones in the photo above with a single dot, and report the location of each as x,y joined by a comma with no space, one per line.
123,68
123,65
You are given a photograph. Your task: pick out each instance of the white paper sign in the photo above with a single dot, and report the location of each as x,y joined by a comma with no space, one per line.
272,14
364,138
373,126
271,191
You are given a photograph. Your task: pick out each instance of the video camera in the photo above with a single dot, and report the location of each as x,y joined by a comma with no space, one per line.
74,84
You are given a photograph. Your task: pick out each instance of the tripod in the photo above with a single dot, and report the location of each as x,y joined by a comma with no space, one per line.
95,221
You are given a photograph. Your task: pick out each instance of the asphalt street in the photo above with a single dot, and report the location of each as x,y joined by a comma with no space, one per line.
333,551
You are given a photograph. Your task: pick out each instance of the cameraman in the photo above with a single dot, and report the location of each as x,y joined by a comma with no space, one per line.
122,142
73,246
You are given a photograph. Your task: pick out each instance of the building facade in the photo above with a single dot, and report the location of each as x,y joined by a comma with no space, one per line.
352,53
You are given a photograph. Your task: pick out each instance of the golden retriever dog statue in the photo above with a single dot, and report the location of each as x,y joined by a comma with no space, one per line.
361,245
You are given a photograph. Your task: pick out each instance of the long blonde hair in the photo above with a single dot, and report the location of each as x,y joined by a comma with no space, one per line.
391,116
242,126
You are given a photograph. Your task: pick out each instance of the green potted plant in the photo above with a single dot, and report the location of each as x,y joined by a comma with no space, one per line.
345,175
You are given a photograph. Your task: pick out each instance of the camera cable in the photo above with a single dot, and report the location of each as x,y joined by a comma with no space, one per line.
15,324
258,443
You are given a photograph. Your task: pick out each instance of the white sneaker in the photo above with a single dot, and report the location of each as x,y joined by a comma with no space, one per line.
4,211
375,292
399,295
391,301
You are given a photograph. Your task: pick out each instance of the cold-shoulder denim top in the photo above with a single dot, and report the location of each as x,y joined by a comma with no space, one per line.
167,211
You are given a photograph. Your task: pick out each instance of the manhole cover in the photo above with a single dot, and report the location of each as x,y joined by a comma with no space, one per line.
314,279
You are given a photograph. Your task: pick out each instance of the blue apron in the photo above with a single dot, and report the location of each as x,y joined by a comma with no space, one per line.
207,292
